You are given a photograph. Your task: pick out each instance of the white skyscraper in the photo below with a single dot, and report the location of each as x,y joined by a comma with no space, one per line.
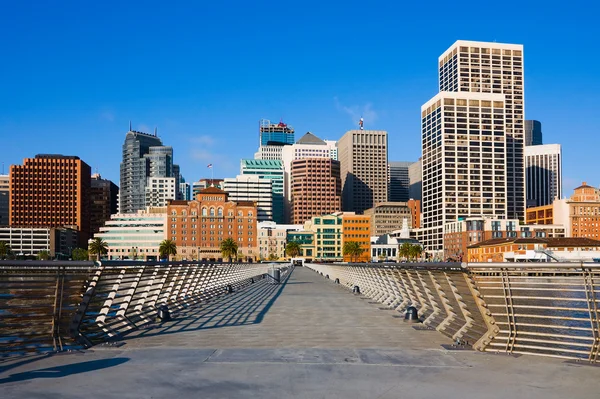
159,190
472,138
543,172
252,188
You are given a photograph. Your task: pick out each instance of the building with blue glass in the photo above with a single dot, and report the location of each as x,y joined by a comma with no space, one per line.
275,133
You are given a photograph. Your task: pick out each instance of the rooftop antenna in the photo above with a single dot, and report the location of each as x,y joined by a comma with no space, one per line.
155,131
130,125
2,167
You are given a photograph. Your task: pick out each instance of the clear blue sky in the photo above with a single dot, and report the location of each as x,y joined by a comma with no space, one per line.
72,74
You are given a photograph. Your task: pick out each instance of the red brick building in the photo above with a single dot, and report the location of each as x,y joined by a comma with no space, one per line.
51,191
316,188
198,227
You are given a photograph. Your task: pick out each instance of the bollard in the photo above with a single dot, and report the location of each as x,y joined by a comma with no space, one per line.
229,289
327,277
337,280
356,289
252,280
412,315
163,313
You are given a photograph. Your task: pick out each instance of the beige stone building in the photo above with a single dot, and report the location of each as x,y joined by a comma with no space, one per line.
389,216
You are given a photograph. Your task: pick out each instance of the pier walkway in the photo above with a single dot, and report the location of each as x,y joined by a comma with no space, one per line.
304,338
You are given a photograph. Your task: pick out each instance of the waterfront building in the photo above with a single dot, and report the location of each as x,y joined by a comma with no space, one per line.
28,242
51,191
135,236
103,201
273,238
584,212
363,169
199,226
543,174
357,228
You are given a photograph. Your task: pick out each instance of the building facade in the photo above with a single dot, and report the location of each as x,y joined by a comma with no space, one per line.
398,181
275,133
159,190
584,212
327,242
415,177
533,133
543,174
464,161
51,191
201,184
103,202
389,216
198,227
363,162
494,68
28,242
185,190
251,188
357,228
315,188
273,238
4,199
270,170
135,236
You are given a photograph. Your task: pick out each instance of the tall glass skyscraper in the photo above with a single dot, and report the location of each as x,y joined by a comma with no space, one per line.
398,181
144,156
533,132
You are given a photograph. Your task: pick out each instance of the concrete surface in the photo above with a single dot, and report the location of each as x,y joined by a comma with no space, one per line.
306,338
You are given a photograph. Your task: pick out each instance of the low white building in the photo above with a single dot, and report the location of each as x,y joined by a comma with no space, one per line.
135,235
159,190
252,188
30,241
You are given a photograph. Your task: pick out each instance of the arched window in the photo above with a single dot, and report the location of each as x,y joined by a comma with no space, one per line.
204,211
212,211
240,213
250,213
184,213
173,213
220,212
230,213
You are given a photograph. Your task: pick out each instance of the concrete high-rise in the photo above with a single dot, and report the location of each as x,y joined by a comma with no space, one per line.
4,199
249,188
464,168
482,67
398,181
271,170
543,172
415,177
533,132
51,191
103,201
363,169
315,188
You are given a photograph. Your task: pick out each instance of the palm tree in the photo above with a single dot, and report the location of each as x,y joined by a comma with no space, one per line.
4,250
79,254
43,255
353,249
292,249
404,250
229,249
415,251
167,248
98,247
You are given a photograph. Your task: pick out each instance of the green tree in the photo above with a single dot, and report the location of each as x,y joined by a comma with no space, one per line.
43,255
404,250
292,249
229,249
415,251
98,247
79,254
167,248
4,250
353,250
272,256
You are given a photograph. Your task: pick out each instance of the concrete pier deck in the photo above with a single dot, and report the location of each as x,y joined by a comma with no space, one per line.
304,338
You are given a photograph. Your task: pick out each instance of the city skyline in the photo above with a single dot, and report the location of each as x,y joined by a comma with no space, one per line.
76,105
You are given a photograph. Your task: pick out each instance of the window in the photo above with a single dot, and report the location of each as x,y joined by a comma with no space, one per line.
204,212
212,211
220,212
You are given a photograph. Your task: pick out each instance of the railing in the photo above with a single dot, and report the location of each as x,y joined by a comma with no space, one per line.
549,309
60,305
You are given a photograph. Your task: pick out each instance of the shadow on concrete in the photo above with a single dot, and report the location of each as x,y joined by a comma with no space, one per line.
65,370
245,307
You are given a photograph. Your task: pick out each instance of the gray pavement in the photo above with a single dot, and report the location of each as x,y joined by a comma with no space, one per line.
305,338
